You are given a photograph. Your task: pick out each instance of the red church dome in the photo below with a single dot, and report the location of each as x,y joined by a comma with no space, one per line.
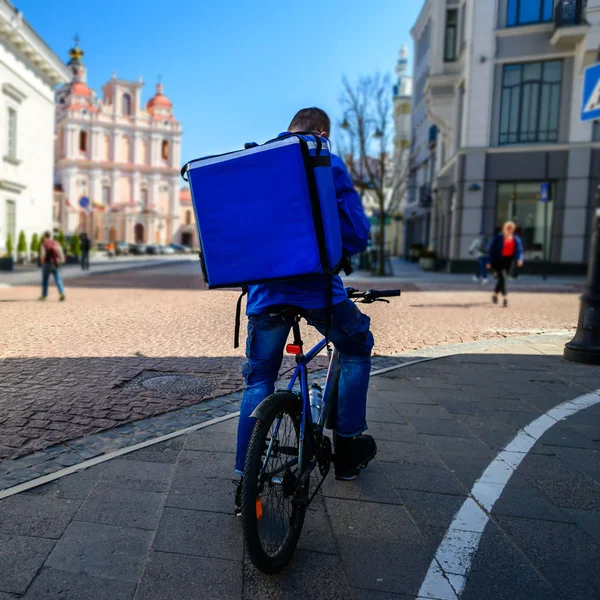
80,89
159,100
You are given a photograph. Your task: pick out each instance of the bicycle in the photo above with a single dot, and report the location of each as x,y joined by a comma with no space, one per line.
286,446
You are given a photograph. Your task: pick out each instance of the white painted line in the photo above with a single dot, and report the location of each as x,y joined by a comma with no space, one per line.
452,562
408,363
22,487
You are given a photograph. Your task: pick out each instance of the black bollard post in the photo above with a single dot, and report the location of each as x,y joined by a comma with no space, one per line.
585,346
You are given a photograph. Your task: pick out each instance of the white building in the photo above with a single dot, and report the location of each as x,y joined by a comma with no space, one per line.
29,72
502,80
121,158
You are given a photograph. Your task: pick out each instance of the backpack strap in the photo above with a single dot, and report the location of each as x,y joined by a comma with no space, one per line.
238,318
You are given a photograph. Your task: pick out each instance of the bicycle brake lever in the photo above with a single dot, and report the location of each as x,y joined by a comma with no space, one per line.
382,300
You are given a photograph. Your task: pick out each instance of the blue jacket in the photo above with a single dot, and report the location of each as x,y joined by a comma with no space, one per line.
312,293
495,254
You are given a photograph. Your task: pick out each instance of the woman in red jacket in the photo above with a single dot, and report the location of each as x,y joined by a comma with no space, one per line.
504,251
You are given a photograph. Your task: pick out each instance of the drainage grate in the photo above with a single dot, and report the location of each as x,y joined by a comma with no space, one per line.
201,385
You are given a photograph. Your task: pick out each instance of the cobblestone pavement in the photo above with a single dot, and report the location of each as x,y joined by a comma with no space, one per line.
65,367
157,523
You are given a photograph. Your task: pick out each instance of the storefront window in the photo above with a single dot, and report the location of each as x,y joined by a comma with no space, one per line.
520,202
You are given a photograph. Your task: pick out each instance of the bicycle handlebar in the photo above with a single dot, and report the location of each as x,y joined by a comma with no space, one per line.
372,295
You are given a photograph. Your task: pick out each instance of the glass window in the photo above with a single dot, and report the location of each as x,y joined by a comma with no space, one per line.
520,202
527,12
83,141
126,104
11,220
106,195
165,150
451,35
145,199
12,133
530,103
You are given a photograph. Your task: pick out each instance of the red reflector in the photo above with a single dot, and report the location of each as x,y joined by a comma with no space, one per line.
293,349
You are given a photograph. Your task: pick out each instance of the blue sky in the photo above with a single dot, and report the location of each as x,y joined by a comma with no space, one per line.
235,70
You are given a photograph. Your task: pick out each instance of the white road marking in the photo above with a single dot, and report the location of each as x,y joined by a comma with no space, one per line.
448,571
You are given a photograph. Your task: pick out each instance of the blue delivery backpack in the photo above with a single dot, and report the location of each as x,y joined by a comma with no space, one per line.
266,213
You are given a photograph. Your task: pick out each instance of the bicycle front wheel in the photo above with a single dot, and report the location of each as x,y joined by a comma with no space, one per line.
273,500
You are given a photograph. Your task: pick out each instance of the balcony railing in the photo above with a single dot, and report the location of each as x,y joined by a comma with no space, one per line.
569,12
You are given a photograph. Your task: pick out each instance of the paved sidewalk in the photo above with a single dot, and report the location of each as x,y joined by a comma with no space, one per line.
157,523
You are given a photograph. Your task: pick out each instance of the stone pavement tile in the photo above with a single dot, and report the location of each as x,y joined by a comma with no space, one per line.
76,486
383,414
466,407
432,510
445,446
403,452
518,418
54,584
201,493
123,507
317,535
199,533
21,557
309,575
371,485
430,382
562,483
184,577
494,431
407,396
569,436
380,546
228,426
436,426
195,464
586,461
423,410
422,478
456,394
4,596
564,554
165,452
138,475
208,440
500,571
101,551
587,520
528,503
36,516
393,432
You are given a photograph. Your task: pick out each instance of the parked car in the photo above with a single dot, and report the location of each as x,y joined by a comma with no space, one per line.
152,249
168,250
101,246
139,249
121,249
178,248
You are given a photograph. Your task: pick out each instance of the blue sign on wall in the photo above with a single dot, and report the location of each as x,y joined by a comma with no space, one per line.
590,107
544,191
84,202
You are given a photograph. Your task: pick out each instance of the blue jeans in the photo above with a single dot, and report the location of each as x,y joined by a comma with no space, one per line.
481,267
48,269
267,336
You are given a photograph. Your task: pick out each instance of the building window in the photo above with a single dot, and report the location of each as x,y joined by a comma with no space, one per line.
527,12
83,141
106,195
530,103
451,35
164,151
188,217
11,220
145,199
520,202
12,133
127,105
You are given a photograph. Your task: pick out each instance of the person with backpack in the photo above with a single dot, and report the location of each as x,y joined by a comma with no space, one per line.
505,250
479,250
51,257
347,328
85,252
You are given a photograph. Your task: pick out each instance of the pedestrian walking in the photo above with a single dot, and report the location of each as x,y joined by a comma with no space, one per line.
85,252
479,250
505,251
51,257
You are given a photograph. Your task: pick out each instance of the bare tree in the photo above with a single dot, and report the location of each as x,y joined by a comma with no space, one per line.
367,146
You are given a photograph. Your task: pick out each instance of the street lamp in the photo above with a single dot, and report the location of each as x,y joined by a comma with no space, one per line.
378,134
344,124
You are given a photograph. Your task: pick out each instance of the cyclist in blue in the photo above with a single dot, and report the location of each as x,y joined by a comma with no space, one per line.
349,331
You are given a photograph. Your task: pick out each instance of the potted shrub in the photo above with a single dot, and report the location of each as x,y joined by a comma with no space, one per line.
414,252
7,261
34,247
428,260
22,248
74,249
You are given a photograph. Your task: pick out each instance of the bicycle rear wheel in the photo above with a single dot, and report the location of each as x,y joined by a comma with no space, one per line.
273,505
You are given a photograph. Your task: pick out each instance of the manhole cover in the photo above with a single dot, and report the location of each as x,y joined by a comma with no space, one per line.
177,384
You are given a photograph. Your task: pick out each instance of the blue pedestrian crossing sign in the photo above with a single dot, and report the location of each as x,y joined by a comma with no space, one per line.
84,202
544,191
590,109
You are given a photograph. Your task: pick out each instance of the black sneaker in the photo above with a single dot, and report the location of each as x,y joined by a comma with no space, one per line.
505,303
352,455
495,299
237,509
